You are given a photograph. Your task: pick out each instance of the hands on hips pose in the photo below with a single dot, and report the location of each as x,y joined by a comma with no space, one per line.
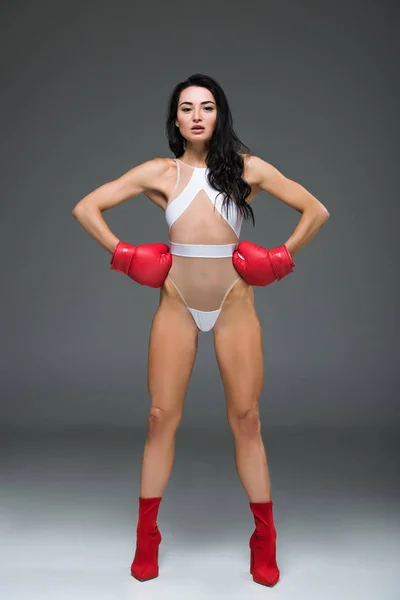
260,266
147,264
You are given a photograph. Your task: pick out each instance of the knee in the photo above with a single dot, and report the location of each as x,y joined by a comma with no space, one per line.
246,424
161,419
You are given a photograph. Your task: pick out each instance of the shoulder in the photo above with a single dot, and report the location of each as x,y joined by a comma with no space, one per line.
152,173
251,161
255,168
157,166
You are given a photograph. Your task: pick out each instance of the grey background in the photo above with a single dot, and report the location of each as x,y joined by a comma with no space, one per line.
84,99
313,90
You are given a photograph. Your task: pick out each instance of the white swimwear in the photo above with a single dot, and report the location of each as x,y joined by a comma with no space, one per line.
202,271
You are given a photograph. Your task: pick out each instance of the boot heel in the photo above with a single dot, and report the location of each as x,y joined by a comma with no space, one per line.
251,562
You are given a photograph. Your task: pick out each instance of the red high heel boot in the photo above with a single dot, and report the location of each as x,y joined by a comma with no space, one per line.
148,539
262,545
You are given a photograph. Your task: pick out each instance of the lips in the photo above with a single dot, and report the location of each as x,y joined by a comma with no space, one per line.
197,128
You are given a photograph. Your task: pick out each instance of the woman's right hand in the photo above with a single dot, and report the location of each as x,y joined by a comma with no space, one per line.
147,264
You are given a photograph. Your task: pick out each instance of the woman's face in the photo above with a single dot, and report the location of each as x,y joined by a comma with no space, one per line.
196,107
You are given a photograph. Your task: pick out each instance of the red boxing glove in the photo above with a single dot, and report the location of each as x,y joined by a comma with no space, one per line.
259,266
147,264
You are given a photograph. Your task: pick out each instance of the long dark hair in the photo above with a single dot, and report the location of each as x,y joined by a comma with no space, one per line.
225,165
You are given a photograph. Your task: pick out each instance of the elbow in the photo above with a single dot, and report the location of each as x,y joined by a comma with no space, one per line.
325,215
84,207
319,214
77,210
76,214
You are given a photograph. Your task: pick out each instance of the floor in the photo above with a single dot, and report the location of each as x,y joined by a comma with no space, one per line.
68,509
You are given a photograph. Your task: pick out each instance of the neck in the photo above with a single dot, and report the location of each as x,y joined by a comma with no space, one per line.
195,156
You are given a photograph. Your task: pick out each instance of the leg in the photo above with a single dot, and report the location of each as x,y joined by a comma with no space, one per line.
238,347
171,355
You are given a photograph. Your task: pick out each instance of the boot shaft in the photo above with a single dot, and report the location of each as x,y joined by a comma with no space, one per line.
147,515
263,518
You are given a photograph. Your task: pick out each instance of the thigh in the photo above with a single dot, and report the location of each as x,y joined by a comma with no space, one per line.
239,352
172,352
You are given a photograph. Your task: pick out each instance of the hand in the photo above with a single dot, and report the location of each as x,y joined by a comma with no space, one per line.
259,266
147,264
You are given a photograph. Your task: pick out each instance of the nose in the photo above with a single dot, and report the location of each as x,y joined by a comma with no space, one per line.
197,115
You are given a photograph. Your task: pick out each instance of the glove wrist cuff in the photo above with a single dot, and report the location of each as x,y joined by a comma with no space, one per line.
282,262
122,256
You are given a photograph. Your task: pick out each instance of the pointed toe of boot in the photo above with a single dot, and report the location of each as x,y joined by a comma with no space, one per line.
143,572
263,574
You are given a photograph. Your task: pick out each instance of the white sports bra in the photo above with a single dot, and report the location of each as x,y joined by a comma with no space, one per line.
192,188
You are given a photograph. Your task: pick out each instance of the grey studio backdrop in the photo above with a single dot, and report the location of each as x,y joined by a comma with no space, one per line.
84,94
84,99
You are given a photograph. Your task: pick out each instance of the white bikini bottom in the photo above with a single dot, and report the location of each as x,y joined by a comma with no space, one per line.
203,283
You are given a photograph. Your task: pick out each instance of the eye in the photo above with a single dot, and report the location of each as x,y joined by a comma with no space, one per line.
209,107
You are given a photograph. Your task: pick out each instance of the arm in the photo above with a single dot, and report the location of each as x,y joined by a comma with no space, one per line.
88,211
314,213
262,266
147,264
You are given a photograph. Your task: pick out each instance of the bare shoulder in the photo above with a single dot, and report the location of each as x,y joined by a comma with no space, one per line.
258,173
159,174
153,174
254,167
250,174
153,169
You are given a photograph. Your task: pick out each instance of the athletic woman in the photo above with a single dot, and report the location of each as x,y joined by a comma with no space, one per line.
205,278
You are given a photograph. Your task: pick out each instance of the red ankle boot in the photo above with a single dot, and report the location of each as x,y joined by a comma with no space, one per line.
148,539
262,545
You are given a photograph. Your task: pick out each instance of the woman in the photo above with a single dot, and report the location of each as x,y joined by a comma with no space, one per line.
205,280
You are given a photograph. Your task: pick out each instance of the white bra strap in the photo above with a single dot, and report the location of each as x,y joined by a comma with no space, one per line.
177,176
